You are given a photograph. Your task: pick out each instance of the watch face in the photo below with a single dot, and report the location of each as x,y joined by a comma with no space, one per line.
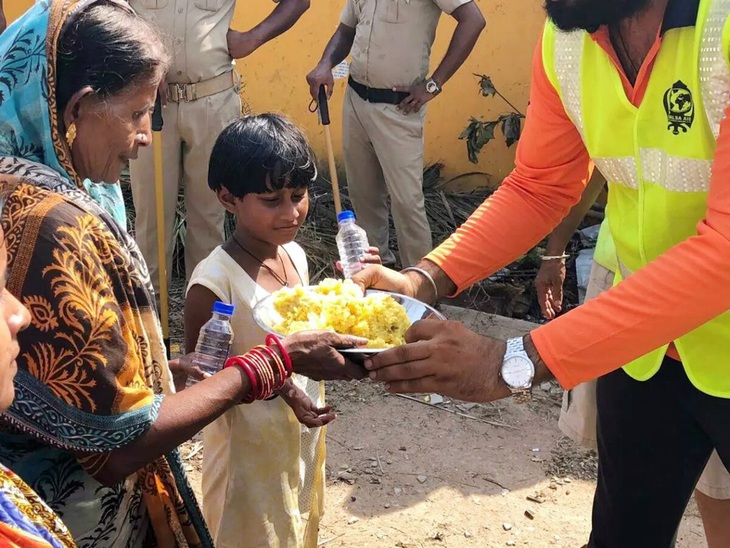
432,87
517,372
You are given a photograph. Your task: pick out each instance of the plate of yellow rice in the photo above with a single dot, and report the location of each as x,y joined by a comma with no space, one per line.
381,317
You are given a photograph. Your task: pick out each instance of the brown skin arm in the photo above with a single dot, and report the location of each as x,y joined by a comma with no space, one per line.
281,19
470,23
335,52
198,305
551,276
559,238
181,416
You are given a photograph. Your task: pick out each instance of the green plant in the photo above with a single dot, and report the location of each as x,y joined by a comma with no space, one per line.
479,132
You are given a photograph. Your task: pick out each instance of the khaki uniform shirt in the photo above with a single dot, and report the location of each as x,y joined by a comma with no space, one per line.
194,32
393,39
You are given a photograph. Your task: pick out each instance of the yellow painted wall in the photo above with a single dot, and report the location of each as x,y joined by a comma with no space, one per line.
275,75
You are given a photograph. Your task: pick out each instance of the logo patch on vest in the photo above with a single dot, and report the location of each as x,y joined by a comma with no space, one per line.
679,107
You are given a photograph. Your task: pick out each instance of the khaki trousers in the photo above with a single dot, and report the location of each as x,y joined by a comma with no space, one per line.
384,156
188,135
579,412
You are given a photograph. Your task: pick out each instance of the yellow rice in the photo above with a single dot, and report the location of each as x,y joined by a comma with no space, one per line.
339,306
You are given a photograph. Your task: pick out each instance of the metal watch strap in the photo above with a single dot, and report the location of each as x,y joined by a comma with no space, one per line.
514,345
517,345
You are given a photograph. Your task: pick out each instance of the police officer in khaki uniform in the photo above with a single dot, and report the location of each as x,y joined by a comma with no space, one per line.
202,98
390,45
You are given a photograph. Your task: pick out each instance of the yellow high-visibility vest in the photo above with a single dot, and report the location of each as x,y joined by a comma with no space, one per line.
658,157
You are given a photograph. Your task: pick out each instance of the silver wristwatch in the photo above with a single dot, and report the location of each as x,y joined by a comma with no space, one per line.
432,87
518,371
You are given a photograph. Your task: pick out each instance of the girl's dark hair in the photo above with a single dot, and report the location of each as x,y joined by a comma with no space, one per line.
108,48
262,153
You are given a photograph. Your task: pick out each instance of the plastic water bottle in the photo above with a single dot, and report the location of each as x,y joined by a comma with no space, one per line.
214,341
352,243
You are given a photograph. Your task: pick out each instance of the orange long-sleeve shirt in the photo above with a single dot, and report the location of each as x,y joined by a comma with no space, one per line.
679,291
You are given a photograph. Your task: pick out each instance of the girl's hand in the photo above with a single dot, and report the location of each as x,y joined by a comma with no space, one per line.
305,410
371,256
183,368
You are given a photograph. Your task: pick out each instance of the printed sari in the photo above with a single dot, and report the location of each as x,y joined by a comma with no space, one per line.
92,370
25,520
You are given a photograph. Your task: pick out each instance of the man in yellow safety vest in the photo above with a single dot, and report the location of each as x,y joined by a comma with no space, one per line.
641,90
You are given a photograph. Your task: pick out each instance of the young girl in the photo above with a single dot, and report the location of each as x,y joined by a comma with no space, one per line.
262,471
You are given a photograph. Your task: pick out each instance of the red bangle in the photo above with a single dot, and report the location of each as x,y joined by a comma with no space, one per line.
239,361
264,354
271,338
264,372
280,367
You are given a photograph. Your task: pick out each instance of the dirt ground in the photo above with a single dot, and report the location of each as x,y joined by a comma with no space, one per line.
412,473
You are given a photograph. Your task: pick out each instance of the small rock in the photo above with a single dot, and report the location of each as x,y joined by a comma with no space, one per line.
567,491
553,486
375,480
386,505
536,450
529,514
505,492
374,464
536,498
358,448
402,448
388,461
546,386
507,526
438,535
352,520
467,534
421,479
566,480
511,543
436,399
353,499
397,490
346,477
556,537
556,390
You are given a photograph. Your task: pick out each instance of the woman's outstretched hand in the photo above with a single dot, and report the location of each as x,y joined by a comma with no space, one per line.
314,354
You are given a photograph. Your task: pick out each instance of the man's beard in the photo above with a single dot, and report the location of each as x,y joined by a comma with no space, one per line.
591,14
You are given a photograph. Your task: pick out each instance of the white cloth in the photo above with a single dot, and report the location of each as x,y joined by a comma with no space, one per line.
259,462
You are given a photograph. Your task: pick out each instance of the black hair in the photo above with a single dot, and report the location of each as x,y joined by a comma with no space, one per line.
109,48
261,153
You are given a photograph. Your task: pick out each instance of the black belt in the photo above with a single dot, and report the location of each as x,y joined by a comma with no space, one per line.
375,95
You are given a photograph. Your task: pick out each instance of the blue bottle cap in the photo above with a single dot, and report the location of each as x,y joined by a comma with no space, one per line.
223,308
346,215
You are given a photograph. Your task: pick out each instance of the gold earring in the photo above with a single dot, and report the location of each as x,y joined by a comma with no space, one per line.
71,134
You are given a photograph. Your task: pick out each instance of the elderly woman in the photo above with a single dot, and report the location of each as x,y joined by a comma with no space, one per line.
96,422
25,520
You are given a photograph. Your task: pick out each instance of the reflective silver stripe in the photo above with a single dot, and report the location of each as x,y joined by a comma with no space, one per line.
674,173
714,72
620,170
568,55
